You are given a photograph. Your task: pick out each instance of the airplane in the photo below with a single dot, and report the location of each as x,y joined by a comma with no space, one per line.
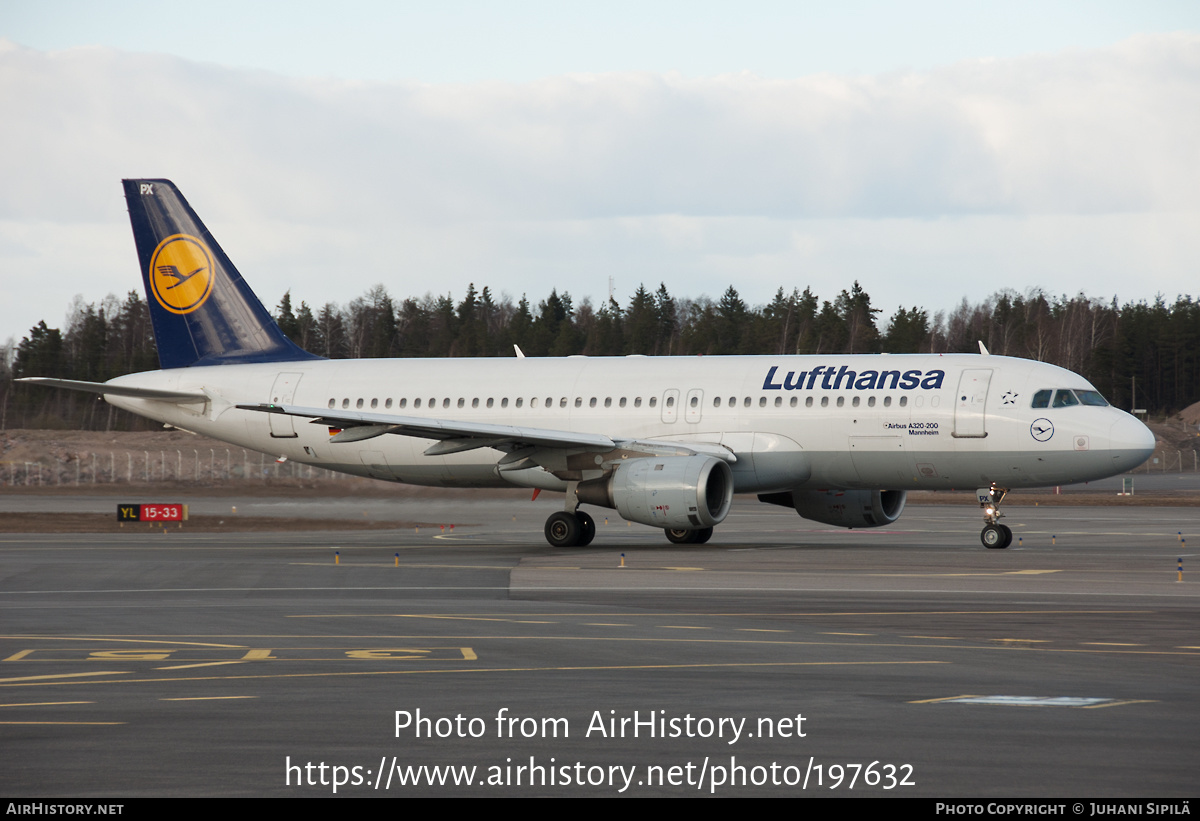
664,441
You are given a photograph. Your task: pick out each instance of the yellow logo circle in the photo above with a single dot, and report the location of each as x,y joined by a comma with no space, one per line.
181,273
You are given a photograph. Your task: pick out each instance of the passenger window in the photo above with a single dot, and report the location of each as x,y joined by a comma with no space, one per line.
762,401
504,402
404,402
491,402
653,401
1041,399
533,403
520,401
841,401
824,401
887,401
637,402
808,402
1064,399
795,401
374,404
695,401
388,403
592,402
579,401
903,401
716,402
670,401
416,403
562,402
746,402
608,401
622,401
359,403
550,402
870,401
332,402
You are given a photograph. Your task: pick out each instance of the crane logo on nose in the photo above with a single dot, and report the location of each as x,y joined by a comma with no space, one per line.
1042,429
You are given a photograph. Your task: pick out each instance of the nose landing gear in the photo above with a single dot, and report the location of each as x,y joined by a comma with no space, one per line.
994,536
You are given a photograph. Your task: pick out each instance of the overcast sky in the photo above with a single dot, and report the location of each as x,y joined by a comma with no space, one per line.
932,151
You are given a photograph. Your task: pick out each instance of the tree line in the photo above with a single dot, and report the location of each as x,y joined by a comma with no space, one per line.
1150,347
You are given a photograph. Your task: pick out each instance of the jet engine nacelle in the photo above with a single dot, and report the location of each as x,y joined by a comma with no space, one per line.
844,508
675,492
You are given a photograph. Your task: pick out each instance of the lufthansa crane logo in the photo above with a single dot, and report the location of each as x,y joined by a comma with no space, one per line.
181,273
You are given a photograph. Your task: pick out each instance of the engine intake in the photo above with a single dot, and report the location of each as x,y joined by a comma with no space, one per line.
843,508
676,492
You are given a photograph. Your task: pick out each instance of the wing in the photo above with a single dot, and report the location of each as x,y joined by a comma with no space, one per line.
524,446
356,426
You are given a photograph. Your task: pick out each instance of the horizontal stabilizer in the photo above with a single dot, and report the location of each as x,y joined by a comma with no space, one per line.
178,397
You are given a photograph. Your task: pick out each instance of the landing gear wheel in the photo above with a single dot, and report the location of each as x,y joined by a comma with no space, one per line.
587,529
689,536
994,538
563,529
680,536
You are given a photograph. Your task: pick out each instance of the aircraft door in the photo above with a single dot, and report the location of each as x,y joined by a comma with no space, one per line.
670,406
970,404
693,406
376,464
282,427
875,456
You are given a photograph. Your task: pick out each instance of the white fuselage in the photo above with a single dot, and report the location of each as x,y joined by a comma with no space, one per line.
792,422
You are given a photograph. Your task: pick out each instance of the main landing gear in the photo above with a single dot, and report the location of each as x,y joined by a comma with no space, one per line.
699,536
565,529
994,536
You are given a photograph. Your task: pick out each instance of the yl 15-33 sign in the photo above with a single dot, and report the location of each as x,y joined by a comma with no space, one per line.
152,513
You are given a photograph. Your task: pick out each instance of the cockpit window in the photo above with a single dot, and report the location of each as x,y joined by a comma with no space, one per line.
1064,399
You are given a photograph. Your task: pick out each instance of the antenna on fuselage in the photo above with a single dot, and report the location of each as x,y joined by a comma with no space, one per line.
983,349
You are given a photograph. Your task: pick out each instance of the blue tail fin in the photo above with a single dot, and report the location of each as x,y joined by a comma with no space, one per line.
203,312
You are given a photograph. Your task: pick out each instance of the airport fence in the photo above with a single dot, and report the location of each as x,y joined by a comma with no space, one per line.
199,466
213,465
1171,461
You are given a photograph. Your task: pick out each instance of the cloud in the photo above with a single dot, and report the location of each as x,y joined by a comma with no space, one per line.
329,187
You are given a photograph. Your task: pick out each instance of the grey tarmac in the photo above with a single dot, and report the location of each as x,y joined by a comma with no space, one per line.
188,664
